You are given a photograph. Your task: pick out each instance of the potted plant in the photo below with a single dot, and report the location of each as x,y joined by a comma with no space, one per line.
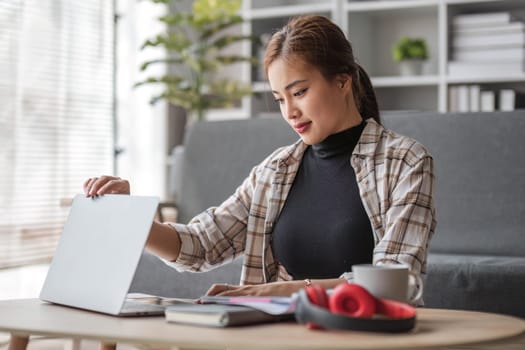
410,53
195,43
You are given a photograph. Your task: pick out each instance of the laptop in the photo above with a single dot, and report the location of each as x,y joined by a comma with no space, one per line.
98,253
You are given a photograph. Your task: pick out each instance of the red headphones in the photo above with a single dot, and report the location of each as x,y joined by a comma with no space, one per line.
351,306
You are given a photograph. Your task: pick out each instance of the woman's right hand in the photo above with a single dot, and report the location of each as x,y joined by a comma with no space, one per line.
98,186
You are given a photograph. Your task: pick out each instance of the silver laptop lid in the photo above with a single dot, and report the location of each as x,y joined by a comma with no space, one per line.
99,251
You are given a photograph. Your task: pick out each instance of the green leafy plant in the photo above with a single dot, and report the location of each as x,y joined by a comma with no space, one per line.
410,48
195,43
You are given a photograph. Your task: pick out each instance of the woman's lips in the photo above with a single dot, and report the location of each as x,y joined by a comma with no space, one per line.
302,127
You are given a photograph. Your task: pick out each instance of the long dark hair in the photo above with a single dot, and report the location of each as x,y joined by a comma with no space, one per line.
322,44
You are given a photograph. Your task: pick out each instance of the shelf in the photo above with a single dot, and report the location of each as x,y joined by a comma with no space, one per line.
486,79
373,27
390,81
480,2
394,81
286,11
385,5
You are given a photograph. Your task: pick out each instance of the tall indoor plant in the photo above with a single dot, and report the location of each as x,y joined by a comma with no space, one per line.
196,43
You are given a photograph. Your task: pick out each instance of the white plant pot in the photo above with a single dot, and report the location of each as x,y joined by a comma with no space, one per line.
411,67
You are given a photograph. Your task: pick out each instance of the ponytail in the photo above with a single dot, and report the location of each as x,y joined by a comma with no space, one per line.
364,95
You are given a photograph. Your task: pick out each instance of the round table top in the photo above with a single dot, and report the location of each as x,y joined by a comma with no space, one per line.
434,328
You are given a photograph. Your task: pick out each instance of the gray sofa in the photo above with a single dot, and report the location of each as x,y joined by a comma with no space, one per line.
477,256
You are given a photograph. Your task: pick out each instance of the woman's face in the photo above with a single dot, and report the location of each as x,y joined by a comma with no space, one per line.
315,107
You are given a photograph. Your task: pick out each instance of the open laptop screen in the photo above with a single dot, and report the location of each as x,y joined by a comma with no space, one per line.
98,252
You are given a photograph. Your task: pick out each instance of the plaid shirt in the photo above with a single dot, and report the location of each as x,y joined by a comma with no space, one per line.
395,179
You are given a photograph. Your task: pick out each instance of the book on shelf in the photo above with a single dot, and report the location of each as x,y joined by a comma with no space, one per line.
453,99
509,100
492,41
506,28
485,69
463,98
474,98
219,315
487,101
503,54
481,19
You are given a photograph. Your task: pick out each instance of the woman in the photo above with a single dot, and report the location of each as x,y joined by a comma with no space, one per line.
347,192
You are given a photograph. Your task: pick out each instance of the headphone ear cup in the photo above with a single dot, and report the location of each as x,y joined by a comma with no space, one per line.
317,296
394,309
352,300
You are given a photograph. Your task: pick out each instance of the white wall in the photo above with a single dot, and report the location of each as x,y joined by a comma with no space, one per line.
141,126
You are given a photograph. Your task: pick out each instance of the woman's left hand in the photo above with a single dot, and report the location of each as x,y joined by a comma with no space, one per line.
277,289
284,289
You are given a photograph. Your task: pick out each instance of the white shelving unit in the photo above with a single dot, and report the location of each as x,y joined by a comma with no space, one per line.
373,27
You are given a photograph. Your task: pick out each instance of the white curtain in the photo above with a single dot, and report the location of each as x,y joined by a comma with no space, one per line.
56,116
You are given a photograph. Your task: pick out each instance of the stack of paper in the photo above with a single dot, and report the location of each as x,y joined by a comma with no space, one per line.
488,44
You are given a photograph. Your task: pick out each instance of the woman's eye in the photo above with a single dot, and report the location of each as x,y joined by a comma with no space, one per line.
300,92
279,101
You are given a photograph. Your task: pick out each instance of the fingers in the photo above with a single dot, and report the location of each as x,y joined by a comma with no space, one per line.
223,289
115,186
97,186
87,185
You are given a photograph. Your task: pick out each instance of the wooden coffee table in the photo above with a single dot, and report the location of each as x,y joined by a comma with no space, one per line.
435,328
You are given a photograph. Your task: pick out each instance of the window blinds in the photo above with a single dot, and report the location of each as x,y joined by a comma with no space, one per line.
56,116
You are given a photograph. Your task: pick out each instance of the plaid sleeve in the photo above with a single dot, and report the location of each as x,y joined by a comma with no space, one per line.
410,216
217,235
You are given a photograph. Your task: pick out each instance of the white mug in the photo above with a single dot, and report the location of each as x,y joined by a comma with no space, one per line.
389,281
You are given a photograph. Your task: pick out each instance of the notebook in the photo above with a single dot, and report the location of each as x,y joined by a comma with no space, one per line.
98,253
219,315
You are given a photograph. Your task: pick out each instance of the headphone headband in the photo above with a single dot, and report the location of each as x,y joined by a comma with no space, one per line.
306,312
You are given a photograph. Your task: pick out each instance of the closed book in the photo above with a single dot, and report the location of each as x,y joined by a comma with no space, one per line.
487,101
485,69
495,41
509,100
504,54
474,98
482,19
505,28
453,99
218,315
463,98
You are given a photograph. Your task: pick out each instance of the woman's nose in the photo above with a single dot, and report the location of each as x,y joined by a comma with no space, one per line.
291,110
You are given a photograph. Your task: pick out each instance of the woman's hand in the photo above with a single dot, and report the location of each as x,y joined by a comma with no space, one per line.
277,289
98,186
284,289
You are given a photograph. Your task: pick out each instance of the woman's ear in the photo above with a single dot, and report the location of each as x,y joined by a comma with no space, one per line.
344,81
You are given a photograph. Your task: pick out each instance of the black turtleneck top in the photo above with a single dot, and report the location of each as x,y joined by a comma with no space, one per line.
323,228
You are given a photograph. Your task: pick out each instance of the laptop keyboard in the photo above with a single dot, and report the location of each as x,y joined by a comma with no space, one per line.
133,307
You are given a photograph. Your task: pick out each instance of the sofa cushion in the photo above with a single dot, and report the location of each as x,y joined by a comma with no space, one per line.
476,282
480,178
219,155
